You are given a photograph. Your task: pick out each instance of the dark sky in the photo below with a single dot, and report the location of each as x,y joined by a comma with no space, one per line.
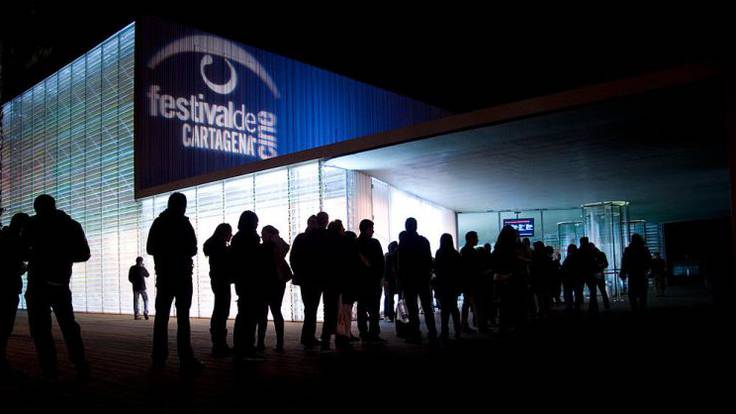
453,57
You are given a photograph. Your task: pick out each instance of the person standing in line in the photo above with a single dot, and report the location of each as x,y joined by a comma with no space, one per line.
172,243
390,282
276,273
635,266
217,249
447,269
415,273
310,281
369,297
55,242
12,267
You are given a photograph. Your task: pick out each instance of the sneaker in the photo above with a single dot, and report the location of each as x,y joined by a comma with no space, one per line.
136,317
145,316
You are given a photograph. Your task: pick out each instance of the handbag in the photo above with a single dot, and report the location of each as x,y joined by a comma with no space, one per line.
402,312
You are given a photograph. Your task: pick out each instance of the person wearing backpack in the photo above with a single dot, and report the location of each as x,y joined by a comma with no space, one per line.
55,242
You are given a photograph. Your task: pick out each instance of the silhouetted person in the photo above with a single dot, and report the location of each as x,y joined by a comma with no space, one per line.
217,248
486,292
569,274
172,243
448,284
599,276
635,265
587,266
307,276
348,268
369,297
556,280
509,265
390,282
12,267
250,285
541,275
471,275
325,247
276,273
415,272
137,275
55,241
659,273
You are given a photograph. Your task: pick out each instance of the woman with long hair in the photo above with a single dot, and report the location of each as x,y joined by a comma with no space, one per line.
447,265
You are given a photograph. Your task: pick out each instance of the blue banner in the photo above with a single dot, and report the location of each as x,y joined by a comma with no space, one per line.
205,105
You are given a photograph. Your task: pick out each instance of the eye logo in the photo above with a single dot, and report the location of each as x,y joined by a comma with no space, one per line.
215,46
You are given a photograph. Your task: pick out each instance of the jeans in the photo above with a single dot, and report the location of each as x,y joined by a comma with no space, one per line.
144,295
220,313
369,305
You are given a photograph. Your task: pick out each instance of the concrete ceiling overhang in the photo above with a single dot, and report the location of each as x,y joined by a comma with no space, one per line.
664,151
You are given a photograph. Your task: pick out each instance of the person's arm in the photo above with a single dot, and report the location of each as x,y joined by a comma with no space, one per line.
144,271
152,244
191,240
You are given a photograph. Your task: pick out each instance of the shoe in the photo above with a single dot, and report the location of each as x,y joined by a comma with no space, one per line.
192,366
469,330
136,317
145,316
260,348
279,349
377,339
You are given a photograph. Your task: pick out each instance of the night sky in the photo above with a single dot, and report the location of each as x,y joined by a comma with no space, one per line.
460,60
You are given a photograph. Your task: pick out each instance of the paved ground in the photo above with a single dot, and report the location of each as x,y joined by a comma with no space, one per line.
680,355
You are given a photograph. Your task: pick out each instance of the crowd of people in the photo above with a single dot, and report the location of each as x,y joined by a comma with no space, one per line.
503,287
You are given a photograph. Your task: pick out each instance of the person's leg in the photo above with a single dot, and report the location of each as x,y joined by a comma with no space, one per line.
444,316
425,295
579,299
220,313
604,293
164,298
62,304
310,298
412,306
363,313
240,347
331,299
8,309
261,327
278,317
374,312
144,295
183,328
39,322
593,296
388,302
136,304
455,313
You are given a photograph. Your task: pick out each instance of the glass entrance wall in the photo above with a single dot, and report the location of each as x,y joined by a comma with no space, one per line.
607,225
488,224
